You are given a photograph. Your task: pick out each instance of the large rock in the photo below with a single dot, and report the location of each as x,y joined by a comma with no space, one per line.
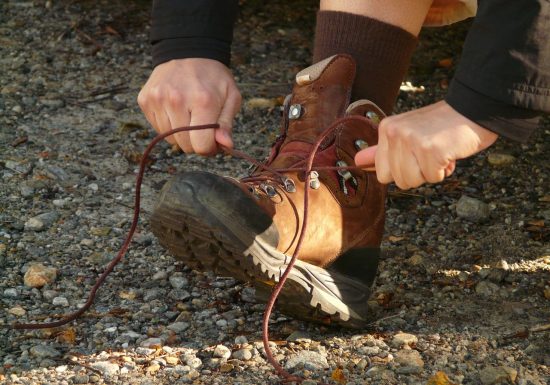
39,275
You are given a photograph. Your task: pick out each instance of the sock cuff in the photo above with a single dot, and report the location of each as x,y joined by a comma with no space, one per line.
379,48
365,34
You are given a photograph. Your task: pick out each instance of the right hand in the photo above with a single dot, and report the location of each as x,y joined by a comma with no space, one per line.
189,92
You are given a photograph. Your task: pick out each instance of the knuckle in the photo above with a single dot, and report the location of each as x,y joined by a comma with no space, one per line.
175,98
203,99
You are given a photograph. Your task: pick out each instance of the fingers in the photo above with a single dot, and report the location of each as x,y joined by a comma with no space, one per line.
366,157
230,109
174,118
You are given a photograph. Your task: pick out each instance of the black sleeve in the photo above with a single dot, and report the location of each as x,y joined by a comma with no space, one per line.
192,28
503,78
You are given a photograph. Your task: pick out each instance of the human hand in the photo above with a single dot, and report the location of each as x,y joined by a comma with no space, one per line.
192,92
422,145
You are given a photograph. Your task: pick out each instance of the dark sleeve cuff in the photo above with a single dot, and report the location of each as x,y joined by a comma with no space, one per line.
503,119
191,47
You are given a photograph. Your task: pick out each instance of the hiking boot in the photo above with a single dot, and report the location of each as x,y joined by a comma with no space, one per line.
248,229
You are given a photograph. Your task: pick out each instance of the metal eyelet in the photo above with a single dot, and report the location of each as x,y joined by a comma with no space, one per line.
314,181
269,190
289,185
373,116
360,144
295,111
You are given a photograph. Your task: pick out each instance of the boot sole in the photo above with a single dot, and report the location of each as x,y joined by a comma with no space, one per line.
197,234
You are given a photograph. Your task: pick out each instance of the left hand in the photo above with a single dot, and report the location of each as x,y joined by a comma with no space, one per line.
422,146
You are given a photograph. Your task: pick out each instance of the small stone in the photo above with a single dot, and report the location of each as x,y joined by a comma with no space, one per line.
547,293
472,209
298,336
107,368
241,340
144,351
248,294
416,260
151,343
87,242
409,361
242,354
39,275
100,231
498,375
500,159
221,351
11,293
153,368
49,294
178,281
41,222
53,103
17,311
171,360
93,187
178,327
160,276
43,351
221,323
308,360
401,339
487,289
60,301
80,379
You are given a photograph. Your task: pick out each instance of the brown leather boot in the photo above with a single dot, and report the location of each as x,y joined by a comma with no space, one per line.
248,229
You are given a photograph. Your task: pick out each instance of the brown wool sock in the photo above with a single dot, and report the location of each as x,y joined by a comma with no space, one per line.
382,52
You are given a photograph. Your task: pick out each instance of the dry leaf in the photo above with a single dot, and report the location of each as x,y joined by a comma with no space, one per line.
440,378
338,376
538,223
445,63
67,336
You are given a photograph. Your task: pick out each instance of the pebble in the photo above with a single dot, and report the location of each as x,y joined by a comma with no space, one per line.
107,368
308,360
171,360
498,375
409,362
151,343
241,340
17,311
38,275
401,339
472,209
178,281
221,351
178,327
500,159
80,379
299,336
242,354
248,294
41,222
11,293
44,351
487,288
60,301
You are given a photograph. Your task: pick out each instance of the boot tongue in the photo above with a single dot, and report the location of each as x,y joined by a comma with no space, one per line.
320,96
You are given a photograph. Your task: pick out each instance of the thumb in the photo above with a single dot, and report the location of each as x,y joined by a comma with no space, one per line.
365,158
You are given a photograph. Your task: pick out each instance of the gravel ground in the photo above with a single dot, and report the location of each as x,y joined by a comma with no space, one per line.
463,293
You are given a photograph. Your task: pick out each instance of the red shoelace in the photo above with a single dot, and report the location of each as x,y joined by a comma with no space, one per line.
308,168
